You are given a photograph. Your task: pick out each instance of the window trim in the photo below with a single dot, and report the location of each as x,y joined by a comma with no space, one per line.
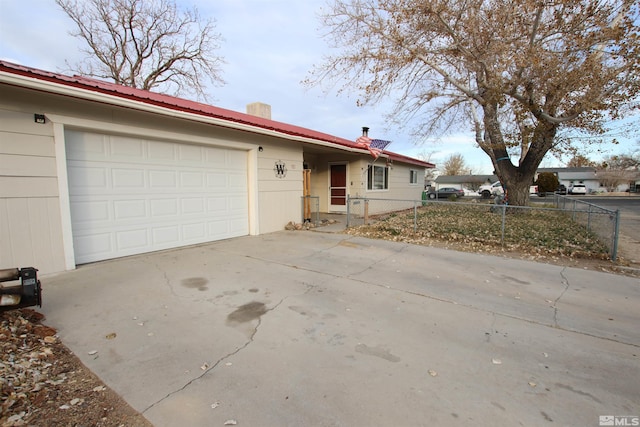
413,176
371,176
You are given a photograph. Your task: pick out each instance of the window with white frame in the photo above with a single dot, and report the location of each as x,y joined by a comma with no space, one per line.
413,176
377,178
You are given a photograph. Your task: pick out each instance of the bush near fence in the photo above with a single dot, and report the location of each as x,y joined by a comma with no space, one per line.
541,230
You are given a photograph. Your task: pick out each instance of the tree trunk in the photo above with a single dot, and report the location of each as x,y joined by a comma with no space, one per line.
516,180
517,191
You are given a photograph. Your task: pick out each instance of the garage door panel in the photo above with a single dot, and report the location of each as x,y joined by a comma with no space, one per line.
215,157
196,232
238,204
218,228
161,151
236,157
239,225
128,179
194,206
217,205
192,179
130,209
165,235
132,239
163,207
217,180
163,179
127,149
83,146
89,211
94,246
87,177
237,181
191,154
130,195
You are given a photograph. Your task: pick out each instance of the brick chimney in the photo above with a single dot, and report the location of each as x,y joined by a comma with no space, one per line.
259,109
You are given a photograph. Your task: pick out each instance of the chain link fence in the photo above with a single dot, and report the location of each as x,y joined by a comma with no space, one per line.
603,222
484,221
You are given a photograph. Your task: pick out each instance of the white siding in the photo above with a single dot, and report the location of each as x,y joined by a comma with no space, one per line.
279,198
400,189
30,224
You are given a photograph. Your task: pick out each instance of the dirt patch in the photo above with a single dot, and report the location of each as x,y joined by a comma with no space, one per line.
43,383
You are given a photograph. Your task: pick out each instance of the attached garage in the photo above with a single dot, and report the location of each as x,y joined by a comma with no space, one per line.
130,195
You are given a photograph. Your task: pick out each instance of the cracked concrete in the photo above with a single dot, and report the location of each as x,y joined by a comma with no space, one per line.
208,369
557,300
341,330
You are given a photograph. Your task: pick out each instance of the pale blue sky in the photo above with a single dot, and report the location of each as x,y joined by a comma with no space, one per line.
270,46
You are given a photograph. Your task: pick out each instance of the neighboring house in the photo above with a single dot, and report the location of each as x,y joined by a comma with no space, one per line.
91,170
470,182
566,176
578,175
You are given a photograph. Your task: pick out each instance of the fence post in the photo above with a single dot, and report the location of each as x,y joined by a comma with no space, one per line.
348,209
616,233
317,210
589,219
415,217
366,211
504,214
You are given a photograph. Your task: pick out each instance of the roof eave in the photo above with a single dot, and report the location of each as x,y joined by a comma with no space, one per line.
131,102
104,92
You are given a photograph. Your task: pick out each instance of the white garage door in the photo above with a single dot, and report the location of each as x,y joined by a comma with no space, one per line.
130,195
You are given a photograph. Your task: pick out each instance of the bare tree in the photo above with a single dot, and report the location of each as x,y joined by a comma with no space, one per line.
430,174
454,165
518,72
147,45
579,161
617,170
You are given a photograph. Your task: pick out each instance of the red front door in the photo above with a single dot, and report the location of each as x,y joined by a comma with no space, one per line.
338,187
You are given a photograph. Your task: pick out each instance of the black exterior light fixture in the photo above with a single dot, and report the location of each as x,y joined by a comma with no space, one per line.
39,118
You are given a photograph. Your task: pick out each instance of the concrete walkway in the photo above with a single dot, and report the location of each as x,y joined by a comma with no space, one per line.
319,329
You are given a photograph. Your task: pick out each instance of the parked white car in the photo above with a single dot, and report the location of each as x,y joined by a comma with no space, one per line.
494,189
577,189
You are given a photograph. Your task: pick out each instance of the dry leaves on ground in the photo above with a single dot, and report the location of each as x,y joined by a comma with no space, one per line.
538,235
43,383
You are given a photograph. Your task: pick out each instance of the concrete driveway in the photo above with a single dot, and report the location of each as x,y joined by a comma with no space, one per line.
315,329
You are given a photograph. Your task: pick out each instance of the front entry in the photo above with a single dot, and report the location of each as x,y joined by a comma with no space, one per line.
338,187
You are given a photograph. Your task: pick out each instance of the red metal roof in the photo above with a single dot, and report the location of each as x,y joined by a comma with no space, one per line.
184,105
